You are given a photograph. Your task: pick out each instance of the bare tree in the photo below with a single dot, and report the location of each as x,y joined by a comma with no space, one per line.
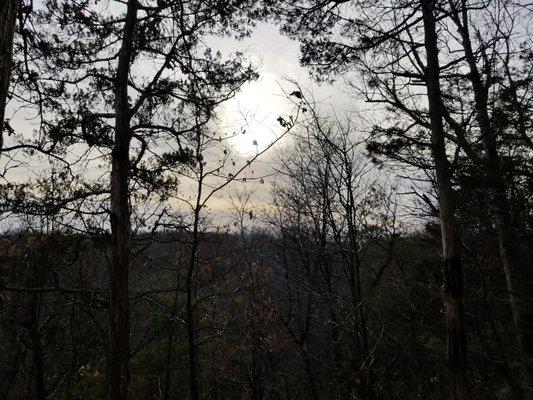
211,179
339,226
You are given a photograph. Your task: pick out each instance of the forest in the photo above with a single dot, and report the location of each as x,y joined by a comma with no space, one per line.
380,251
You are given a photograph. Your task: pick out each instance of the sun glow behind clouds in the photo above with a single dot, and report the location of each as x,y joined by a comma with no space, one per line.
253,114
256,107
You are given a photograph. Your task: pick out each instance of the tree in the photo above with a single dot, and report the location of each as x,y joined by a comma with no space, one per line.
453,269
337,226
8,14
518,277
93,59
211,179
120,216
384,53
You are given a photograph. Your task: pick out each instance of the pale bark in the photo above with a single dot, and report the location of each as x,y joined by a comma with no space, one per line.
453,274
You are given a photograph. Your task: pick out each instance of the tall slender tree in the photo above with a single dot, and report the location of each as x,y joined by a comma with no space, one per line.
386,53
8,16
453,269
519,276
89,62
121,215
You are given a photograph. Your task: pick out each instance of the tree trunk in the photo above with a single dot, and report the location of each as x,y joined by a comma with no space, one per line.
120,219
193,358
8,14
38,363
193,379
453,274
518,271
38,368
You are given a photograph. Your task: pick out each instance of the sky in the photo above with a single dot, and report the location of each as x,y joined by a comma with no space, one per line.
260,102
256,107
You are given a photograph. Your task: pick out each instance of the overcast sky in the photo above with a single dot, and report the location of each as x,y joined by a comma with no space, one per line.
257,106
262,101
